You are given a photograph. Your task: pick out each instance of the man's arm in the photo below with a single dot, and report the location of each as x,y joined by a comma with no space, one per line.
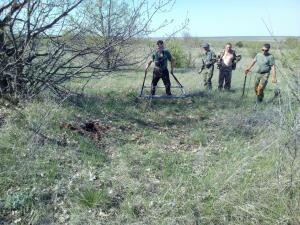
172,64
148,65
209,60
172,60
202,67
219,59
250,67
274,80
214,58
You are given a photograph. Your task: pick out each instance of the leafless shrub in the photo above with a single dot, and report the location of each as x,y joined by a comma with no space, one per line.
33,55
289,125
45,43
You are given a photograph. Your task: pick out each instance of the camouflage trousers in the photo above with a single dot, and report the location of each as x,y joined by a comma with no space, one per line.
261,81
207,76
225,74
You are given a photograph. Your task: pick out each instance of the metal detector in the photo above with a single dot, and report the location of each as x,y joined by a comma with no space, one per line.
179,86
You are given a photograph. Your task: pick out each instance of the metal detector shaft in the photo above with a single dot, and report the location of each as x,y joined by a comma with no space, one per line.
143,83
202,67
244,86
200,71
175,78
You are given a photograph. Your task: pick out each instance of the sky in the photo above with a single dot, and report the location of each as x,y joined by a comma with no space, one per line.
213,18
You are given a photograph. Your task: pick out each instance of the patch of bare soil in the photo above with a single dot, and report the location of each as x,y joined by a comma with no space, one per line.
94,129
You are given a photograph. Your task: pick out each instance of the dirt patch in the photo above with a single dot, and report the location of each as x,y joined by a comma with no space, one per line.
91,128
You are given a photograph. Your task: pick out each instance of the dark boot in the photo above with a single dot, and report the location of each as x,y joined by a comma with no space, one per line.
153,88
259,98
209,86
168,90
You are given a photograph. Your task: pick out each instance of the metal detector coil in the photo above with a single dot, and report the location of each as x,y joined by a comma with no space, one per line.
179,86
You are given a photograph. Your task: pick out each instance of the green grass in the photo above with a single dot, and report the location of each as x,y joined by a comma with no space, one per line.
209,159
92,198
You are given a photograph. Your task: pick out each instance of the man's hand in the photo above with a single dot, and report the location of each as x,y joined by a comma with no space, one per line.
274,80
148,65
247,71
173,63
202,68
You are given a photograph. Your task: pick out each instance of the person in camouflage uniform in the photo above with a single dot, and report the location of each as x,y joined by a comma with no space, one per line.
160,58
207,69
227,60
265,64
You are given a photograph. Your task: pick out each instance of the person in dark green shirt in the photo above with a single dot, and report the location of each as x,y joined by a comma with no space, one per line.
265,65
160,58
208,60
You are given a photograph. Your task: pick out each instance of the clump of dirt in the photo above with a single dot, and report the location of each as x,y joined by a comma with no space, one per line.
91,128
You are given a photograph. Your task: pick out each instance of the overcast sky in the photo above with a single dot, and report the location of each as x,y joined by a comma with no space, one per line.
212,18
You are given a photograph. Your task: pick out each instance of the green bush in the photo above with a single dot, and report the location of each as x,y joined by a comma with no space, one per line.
183,59
292,43
289,54
239,44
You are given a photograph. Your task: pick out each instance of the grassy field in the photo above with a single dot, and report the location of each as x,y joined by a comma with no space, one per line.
211,158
